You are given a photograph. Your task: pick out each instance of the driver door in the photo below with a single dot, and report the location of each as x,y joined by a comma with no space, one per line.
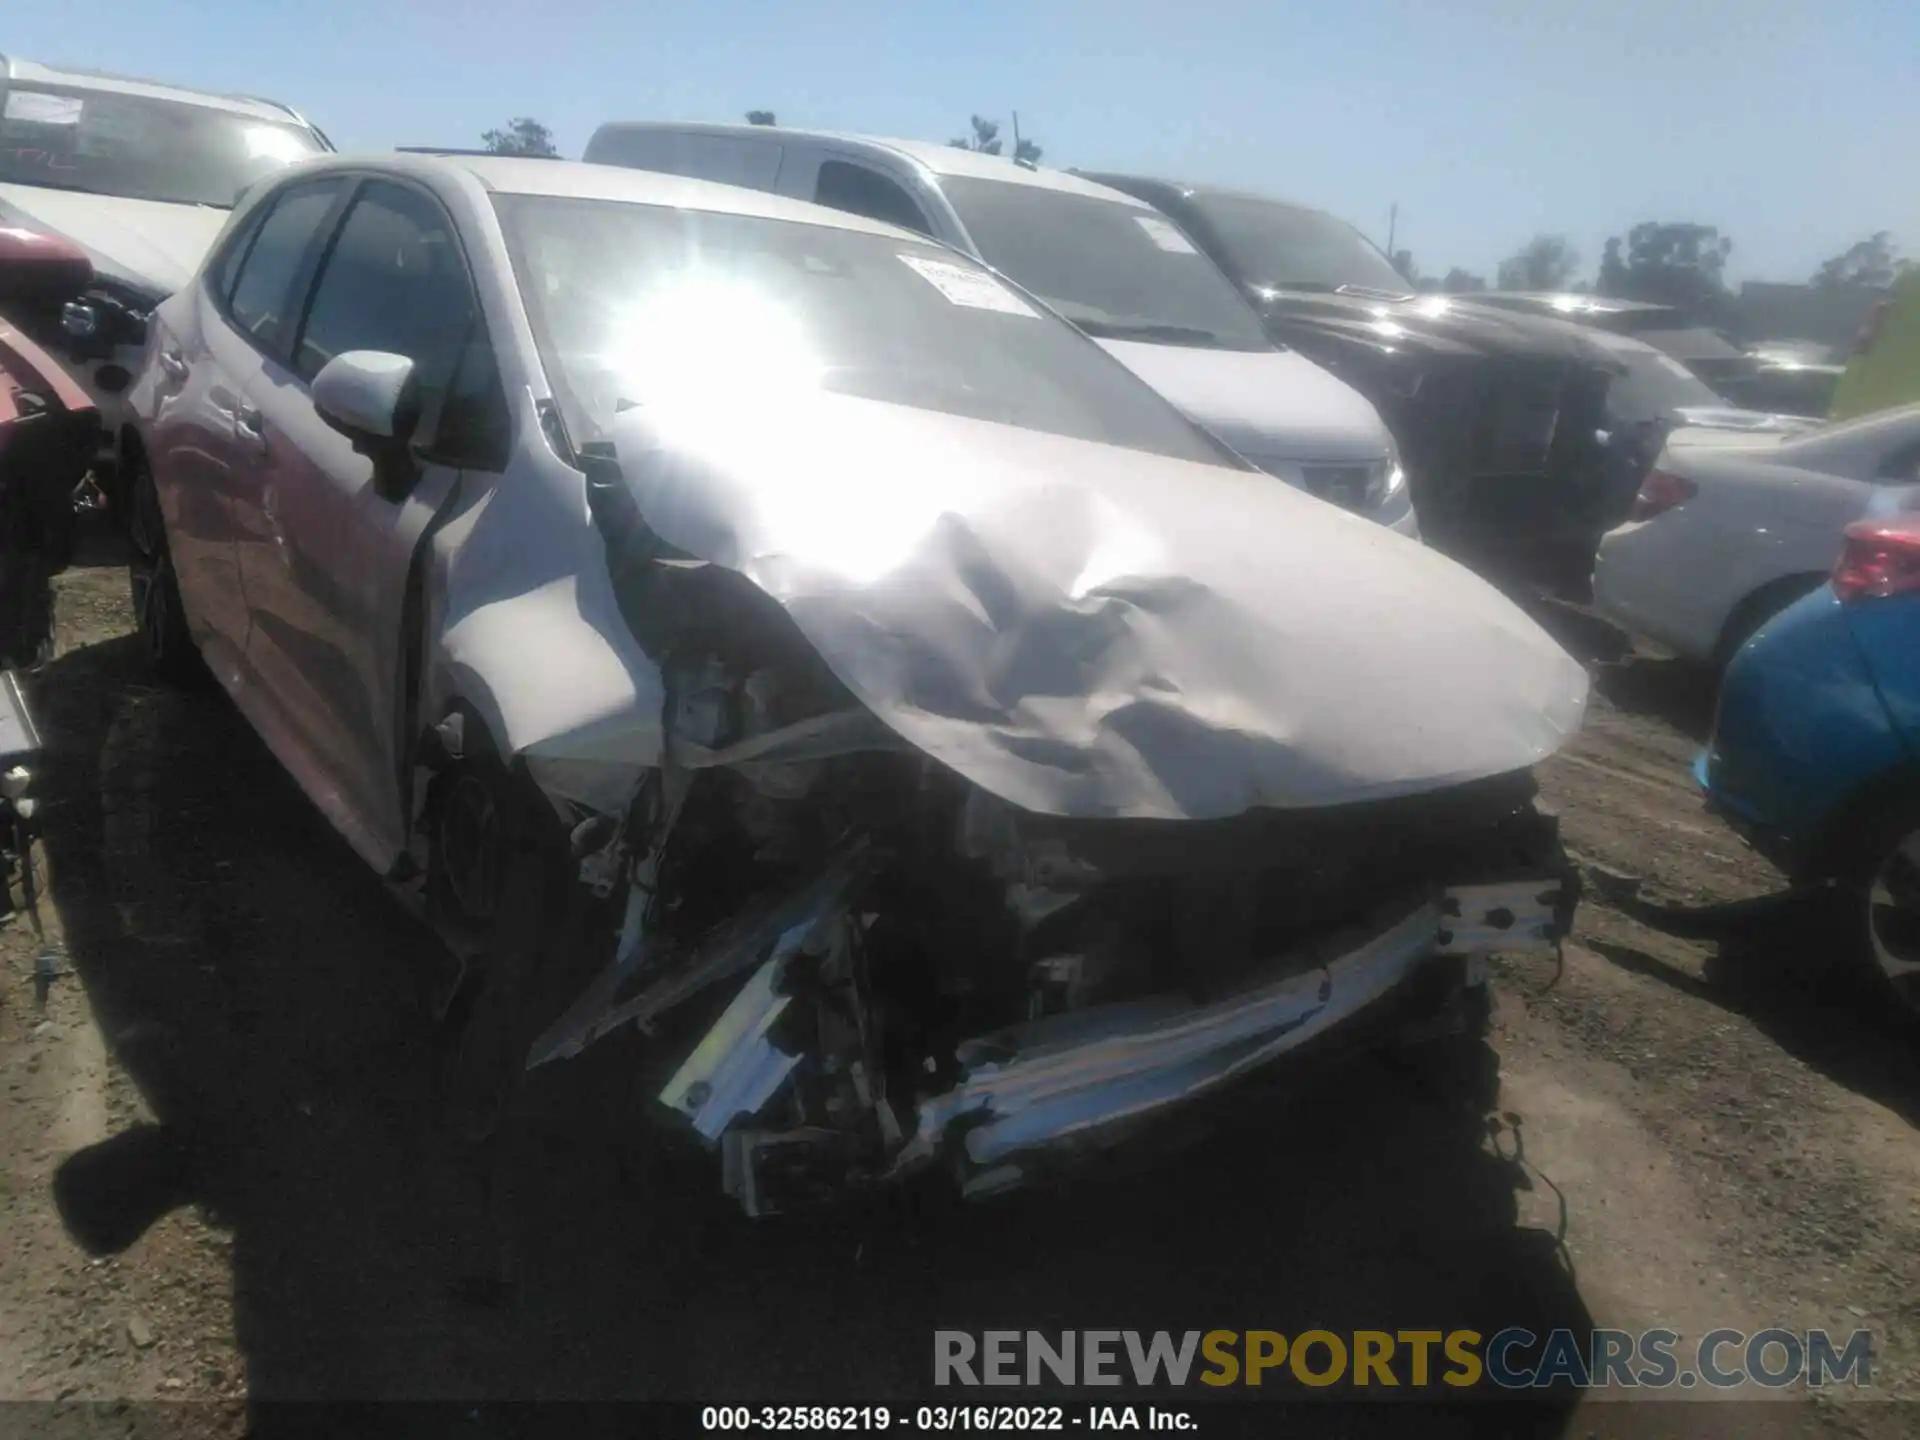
327,575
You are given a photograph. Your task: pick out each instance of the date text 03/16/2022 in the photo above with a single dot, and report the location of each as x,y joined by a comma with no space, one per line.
942,1419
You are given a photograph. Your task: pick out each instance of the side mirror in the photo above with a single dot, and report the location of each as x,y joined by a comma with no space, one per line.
369,396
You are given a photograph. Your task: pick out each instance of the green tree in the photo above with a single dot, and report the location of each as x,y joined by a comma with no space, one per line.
1462,282
521,137
1669,263
1546,262
1874,262
985,140
760,117
1403,261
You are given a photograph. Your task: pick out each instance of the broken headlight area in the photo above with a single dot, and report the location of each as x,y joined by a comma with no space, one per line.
852,965
983,834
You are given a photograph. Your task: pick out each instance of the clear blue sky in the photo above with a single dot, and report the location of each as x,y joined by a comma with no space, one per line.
1794,125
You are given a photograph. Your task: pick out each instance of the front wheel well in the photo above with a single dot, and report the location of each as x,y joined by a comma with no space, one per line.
1838,846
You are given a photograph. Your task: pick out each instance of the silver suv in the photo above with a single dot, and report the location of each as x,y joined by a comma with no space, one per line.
141,175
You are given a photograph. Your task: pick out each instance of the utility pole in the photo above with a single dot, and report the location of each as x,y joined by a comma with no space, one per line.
1016,134
1393,223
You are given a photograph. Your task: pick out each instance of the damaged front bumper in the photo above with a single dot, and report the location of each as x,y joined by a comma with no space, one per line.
799,1117
1074,1083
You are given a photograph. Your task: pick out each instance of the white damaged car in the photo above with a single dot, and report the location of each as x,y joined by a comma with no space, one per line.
767,635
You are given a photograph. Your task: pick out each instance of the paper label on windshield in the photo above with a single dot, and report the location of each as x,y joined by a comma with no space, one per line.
963,285
1165,234
37,109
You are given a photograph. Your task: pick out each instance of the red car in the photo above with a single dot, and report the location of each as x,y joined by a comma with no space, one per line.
48,429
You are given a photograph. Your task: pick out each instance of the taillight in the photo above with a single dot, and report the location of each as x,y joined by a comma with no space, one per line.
1870,328
1659,493
1880,559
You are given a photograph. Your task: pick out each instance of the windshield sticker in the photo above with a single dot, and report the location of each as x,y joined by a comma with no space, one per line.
33,108
1165,234
962,285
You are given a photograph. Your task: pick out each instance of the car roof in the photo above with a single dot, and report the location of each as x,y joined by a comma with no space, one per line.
253,106
935,158
1189,190
1573,303
577,180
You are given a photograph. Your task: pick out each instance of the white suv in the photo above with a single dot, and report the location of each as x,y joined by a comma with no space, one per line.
141,176
1117,268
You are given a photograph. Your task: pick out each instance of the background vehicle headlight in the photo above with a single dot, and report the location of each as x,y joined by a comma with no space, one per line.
1388,477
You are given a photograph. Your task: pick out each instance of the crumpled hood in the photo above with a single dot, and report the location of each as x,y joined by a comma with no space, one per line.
150,245
1092,631
1275,404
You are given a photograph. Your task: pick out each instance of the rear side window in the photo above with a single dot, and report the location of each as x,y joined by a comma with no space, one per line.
1902,467
221,274
859,191
263,301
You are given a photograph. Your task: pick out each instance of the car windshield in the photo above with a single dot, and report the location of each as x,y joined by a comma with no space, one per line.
1117,270
107,142
632,302
1288,247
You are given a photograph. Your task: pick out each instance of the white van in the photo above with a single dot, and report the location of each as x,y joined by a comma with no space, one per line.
1111,264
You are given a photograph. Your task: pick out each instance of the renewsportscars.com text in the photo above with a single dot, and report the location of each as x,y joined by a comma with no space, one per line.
1512,1359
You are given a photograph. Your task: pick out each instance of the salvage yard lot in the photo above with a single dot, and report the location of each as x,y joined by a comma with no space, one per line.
1691,1135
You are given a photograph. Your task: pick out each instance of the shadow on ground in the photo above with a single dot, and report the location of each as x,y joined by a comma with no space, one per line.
1789,969
1679,692
268,1000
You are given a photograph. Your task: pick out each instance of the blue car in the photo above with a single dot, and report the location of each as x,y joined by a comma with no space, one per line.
1815,755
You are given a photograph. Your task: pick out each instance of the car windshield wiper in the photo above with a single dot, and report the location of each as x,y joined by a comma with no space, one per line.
1372,292
1150,330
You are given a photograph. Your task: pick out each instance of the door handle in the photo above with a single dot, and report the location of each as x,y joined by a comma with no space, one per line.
174,364
251,426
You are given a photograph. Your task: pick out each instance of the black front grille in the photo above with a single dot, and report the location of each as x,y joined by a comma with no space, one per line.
1343,485
1507,446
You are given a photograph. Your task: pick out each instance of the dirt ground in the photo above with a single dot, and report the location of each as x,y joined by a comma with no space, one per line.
236,1040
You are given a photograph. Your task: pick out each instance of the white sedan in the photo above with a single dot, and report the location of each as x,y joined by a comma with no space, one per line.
1730,528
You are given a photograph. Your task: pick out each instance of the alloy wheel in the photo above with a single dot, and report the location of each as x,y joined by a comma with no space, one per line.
150,573
1893,920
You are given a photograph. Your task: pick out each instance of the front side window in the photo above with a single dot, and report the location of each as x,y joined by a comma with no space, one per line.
1289,247
263,300
106,142
644,305
393,281
860,191
1118,271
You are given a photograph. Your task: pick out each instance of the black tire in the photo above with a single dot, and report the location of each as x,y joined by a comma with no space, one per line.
1758,608
1877,874
155,589
61,534
26,604
496,864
